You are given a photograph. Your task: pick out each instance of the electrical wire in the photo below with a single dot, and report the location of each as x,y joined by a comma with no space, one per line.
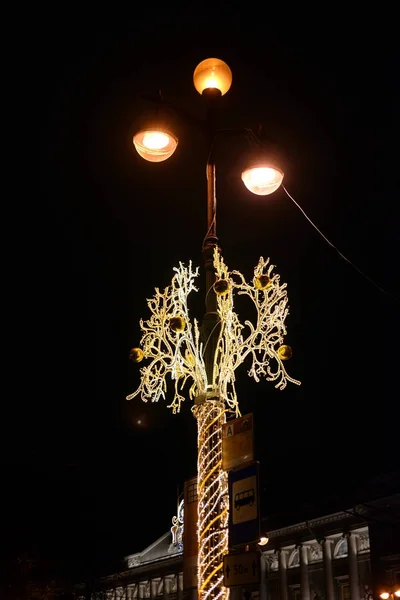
209,290
209,337
338,251
208,160
251,137
208,232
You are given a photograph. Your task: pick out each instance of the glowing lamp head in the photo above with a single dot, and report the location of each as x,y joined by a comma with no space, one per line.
262,282
263,179
136,355
177,324
397,593
384,595
221,287
263,541
155,145
212,73
285,352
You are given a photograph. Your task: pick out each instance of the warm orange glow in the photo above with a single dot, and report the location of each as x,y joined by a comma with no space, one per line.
212,73
262,180
384,595
263,541
153,145
155,140
397,593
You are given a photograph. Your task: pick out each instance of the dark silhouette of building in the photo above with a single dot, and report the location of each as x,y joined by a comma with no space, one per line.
347,554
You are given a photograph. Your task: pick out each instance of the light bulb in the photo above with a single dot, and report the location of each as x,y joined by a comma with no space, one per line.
155,140
262,181
155,145
384,595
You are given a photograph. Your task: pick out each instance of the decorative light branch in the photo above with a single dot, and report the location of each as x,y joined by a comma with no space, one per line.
172,342
261,342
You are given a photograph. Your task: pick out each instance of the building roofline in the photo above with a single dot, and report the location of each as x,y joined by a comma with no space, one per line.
148,548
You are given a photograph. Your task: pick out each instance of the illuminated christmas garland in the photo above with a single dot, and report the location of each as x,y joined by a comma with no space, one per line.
172,344
213,502
264,339
177,527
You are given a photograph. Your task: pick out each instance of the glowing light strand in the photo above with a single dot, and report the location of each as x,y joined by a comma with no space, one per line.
180,354
176,353
212,493
263,338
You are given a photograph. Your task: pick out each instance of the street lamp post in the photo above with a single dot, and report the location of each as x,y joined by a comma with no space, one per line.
208,356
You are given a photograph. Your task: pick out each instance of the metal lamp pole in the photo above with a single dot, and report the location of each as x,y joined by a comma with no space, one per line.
208,355
209,410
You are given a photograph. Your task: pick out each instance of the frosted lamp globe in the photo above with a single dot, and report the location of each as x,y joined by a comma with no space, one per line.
155,145
261,180
212,73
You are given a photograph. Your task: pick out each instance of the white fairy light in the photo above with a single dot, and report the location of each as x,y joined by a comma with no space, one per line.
171,343
259,341
178,354
212,497
177,527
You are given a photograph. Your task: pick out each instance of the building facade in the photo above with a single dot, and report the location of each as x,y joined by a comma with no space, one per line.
325,558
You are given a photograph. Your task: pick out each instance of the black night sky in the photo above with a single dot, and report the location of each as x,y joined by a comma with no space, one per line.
102,228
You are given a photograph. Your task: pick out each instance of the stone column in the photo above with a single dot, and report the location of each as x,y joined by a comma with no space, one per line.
153,588
263,594
179,586
304,579
328,575
353,566
282,558
130,591
166,588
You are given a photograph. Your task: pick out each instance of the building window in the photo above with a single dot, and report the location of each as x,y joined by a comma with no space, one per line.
343,587
345,591
294,559
341,549
295,592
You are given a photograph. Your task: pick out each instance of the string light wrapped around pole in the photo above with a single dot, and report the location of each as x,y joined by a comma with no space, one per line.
209,408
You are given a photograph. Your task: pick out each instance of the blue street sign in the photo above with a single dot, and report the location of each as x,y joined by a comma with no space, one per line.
244,505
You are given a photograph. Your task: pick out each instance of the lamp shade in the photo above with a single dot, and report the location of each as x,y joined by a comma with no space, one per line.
155,145
212,73
263,179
